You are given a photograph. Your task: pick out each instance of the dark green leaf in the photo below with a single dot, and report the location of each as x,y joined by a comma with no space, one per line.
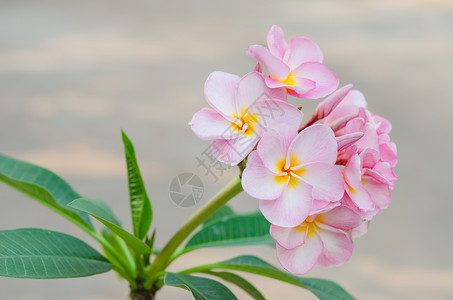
141,210
43,254
201,288
42,185
240,282
224,211
233,230
97,210
322,288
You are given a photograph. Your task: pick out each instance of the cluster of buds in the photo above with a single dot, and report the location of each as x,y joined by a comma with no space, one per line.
318,184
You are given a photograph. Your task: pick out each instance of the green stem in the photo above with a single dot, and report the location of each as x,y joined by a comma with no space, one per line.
164,257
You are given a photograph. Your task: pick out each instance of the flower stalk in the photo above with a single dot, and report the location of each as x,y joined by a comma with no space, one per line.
163,259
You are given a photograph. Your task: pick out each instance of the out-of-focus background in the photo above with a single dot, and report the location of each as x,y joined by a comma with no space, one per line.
72,73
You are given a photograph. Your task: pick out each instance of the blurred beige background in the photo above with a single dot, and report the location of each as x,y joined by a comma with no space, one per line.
72,73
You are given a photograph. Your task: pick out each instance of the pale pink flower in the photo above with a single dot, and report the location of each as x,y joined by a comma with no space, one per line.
296,65
293,174
322,239
242,110
347,109
326,106
368,183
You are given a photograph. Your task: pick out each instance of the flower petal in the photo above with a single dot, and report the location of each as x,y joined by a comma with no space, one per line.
273,147
302,259
346,140
302,50
277,69
330,103
380,193
340,217
337,248
352,172
220,90
326,80
233,151
300,86
326,180
259,182
292,208
315,144
251,88
207,124
288,237
276,42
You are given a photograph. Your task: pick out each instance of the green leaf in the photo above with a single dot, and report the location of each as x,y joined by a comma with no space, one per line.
240,282
98,210
201,288
322,288
141,210
233,230
42,185
224,211
43,254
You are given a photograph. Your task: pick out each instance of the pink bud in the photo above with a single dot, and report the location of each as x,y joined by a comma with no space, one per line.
328,105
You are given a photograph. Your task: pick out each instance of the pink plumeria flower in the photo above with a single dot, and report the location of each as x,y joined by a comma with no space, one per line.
326,106
322,239
242,110
344,111
375,131
291,174
296,65
368,183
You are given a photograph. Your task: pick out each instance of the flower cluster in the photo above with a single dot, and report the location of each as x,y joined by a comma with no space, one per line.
319,184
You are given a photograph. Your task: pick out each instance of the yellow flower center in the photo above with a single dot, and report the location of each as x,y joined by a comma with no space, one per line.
246,120
309,226
289,80
289,172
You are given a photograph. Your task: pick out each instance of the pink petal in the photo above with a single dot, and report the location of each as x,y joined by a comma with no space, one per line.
259,182
326,80
320,206
361,198
300,87
207,124
233,151
275,114
257,68
326,180
369,139
276,42
352,172
380,193
220,90
369,158
346,140
340,217
337,248
277,69
273,147
388,153
302,259
355,98
251,88
291,209
315,144
330,103
288,237
341,116
302,50
360,230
